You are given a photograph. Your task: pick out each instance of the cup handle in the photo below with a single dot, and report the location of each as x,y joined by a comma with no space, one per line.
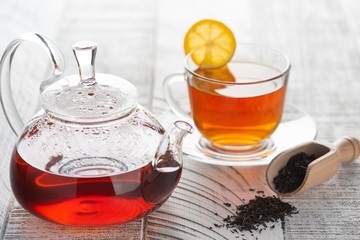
7,100
169,97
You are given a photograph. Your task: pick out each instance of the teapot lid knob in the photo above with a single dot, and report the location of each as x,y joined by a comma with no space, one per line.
85,53
89,99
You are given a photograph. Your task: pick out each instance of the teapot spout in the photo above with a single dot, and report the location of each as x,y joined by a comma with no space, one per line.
168,157
162,176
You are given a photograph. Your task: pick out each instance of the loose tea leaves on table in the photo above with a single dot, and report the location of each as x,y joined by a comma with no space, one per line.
257,212
292,175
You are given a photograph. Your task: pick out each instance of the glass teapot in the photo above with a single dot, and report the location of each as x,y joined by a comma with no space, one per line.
92,155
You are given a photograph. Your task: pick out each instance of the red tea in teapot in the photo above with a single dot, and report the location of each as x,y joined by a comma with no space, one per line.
90,201
73,175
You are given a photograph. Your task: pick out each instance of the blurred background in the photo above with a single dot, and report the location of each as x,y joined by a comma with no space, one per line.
142,41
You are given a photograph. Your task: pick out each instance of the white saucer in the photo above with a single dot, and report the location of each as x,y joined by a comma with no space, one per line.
296,127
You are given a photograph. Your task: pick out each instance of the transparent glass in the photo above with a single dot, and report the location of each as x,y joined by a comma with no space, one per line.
91,156
236,108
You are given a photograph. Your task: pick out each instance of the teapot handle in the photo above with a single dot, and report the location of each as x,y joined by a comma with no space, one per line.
7,100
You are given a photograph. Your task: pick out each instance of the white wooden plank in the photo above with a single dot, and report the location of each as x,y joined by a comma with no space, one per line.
198,203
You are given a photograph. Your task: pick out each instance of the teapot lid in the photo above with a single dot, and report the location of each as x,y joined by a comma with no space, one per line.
84,98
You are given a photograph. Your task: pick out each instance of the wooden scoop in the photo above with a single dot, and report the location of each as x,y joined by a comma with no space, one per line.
329,157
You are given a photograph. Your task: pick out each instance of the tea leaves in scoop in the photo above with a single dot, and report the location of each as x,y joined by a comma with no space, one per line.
292,175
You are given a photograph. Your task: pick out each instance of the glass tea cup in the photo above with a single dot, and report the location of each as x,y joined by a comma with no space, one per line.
237,107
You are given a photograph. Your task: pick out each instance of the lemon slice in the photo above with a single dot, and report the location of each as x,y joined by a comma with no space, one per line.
211,43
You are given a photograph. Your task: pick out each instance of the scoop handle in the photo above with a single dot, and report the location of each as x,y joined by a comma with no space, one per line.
348,149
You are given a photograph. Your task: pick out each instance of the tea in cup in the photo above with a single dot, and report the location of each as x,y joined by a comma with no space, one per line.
236,107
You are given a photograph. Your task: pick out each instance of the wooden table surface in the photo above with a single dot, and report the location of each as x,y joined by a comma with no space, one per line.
142,41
